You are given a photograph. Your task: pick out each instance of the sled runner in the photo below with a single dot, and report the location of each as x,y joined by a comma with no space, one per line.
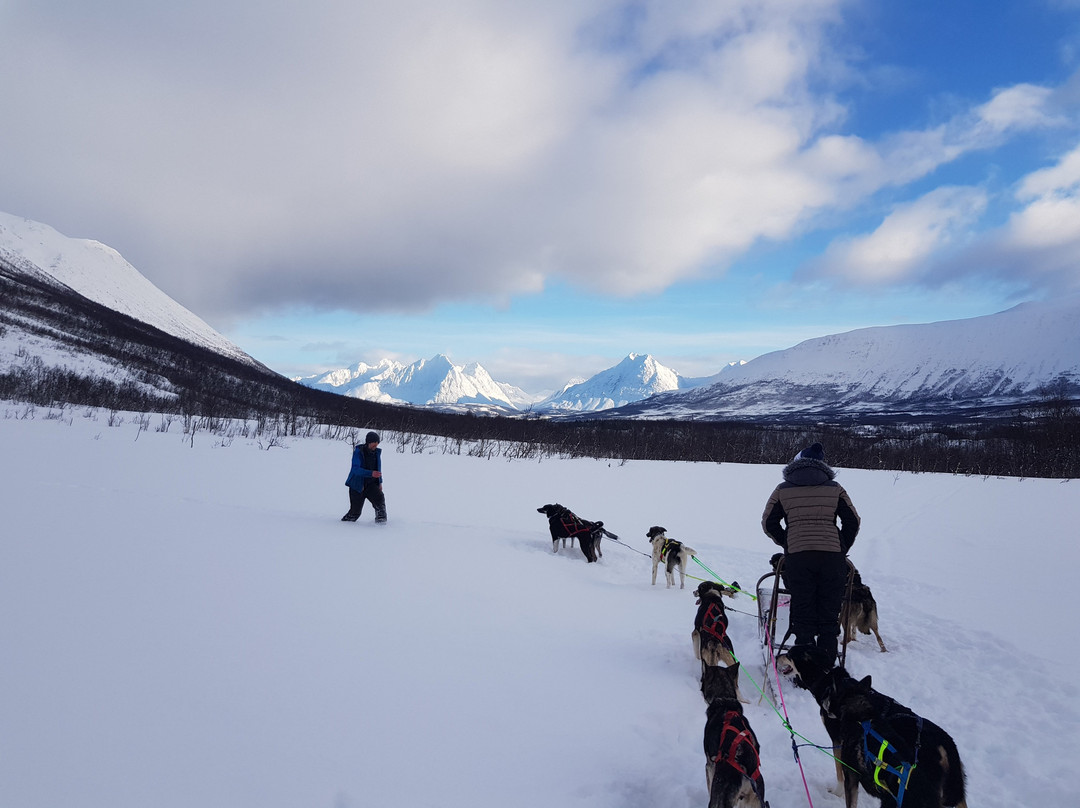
774,612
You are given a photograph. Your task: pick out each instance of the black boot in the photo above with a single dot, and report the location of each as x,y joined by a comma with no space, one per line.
380,516
804,634
350,517
829,645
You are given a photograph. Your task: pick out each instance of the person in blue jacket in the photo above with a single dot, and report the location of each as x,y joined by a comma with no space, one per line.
365,480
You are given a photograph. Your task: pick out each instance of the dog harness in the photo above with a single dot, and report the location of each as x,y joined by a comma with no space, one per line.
735,737
713,621
573,525
901,771
669,544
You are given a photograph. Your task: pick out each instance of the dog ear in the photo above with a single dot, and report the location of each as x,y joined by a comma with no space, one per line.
865,682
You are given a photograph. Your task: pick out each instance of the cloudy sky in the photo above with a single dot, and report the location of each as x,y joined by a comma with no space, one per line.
544,187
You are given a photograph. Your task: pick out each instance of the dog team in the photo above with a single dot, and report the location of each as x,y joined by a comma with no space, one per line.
878,744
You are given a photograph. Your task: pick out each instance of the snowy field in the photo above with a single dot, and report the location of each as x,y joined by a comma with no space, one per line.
193,627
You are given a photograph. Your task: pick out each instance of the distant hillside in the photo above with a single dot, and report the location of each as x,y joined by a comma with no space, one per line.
948,367
99,273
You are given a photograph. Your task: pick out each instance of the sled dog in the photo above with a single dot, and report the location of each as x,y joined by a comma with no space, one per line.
860,612
732,753
893,753
669,552
565,524
712,645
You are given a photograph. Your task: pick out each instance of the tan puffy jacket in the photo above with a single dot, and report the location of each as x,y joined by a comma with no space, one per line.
803,510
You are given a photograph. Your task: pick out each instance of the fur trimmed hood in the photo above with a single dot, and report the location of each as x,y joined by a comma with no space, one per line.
807,471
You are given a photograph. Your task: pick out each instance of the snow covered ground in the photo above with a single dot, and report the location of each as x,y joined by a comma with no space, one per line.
191,625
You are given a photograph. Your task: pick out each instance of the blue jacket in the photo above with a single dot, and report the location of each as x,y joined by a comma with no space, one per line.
364,462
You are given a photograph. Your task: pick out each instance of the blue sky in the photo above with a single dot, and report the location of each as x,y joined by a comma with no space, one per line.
544,188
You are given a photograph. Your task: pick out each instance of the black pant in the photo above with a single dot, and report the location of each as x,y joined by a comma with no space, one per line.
372,493
816,581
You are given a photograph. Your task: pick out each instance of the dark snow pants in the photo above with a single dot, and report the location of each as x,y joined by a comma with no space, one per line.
816,581
371,493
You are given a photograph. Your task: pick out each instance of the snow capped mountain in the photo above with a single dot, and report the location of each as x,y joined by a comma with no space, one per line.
439,382
995,360
636,377
428,382
99,273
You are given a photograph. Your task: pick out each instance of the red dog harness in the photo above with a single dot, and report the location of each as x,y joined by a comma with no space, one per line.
573,525
736,737
713,618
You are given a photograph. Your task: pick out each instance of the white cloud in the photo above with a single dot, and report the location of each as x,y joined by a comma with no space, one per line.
936,241
908,241
1051,221
398,154
1041,241
1061,178
1023,106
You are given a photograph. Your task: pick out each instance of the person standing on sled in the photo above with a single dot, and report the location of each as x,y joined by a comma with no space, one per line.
365,480
801,517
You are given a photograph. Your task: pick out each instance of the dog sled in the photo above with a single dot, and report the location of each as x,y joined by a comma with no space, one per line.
774,614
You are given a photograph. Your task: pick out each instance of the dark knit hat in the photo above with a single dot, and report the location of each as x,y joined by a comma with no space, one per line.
373,437
815,451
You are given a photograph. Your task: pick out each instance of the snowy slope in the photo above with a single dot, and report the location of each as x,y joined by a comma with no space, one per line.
436,381
250,650
636,377
996,359
101,274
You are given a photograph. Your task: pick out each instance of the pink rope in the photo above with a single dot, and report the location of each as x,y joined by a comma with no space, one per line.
783,706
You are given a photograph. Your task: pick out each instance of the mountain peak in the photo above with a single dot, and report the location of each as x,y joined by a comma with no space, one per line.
427,382
636,377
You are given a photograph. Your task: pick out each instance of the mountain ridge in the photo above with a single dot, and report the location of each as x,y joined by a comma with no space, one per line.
990,362
995,360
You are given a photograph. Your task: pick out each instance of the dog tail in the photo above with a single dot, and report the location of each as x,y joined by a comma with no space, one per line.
952,790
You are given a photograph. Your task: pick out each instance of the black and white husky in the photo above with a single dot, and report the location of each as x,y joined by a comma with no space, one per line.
671,553
732,753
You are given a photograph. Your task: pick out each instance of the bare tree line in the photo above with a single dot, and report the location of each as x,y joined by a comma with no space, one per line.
1040,440
205,393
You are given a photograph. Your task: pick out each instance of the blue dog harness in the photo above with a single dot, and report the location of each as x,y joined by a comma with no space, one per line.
901,771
